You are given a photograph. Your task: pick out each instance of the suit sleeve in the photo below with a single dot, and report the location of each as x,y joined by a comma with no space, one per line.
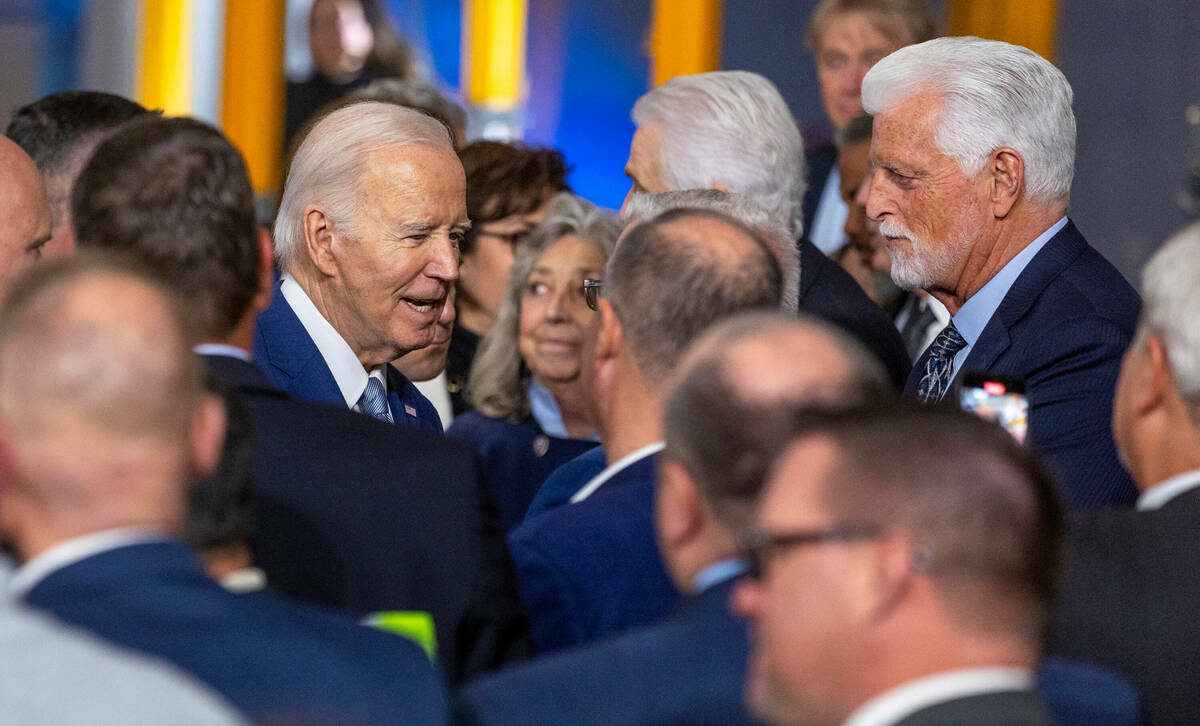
1070,390
545,589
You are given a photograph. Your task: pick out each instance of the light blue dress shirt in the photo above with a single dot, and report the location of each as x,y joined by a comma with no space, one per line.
973,316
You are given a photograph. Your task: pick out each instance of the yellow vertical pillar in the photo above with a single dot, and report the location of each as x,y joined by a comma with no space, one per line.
685,38
164,69
494,45
1031,23
252,86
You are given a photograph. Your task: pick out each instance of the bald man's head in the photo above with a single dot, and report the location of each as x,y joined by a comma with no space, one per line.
730,403
24,209
100,400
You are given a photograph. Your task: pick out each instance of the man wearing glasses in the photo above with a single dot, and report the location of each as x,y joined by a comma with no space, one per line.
903,572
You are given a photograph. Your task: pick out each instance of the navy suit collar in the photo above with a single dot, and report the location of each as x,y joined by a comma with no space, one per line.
1063,249
145,562
290,357
715,597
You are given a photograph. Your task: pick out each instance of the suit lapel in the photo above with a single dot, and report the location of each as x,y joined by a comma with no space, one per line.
1043,269
295,364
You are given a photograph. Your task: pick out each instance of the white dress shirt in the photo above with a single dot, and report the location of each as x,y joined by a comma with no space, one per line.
1159,494
343,363
897,704
616,468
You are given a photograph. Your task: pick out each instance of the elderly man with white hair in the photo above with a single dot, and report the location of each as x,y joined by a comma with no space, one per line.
367,236
732,131
973,153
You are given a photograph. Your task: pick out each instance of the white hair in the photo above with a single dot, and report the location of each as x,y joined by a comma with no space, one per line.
773,231
732,129
1170,304
993,94
326,167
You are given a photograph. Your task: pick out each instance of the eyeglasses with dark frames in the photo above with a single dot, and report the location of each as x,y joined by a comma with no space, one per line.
591,293
763,546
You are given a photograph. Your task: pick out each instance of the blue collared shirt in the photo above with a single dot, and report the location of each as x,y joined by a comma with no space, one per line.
717,573
545,410
973,316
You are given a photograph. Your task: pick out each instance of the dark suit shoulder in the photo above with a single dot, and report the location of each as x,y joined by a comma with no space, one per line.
565,565
1008,708
1130,585
275,660
829,292
686,668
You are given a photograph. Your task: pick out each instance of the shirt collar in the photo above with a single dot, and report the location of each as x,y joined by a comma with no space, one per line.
617,467
1159,494
68,552
973,316
718,572
221,349
895,705
348,372
545,410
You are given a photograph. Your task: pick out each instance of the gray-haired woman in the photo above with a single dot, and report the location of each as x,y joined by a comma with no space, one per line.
531,414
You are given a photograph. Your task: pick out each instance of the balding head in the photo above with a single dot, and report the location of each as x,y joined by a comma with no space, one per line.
730,404
673,277
24,209
95,361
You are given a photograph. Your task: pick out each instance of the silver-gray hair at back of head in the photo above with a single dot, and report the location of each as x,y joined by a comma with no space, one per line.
326,167
733,129
774,231
1170,304
993,94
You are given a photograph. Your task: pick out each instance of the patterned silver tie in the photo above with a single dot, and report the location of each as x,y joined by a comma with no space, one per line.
939,364
373,401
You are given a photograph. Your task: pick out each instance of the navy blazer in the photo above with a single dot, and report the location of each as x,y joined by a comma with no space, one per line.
567,479
292,361
518,457
1063,328
687,668
592,568
353,513
276,661
829,292
1128,603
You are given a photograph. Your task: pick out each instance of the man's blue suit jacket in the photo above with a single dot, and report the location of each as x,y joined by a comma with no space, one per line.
1063,328
518,457
687,668
564,481
276,661
353,513
592,568
292,361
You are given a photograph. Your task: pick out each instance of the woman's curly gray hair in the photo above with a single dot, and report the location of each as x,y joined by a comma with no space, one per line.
496,380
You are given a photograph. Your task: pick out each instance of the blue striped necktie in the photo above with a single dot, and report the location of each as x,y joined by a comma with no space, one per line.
939,364
373,401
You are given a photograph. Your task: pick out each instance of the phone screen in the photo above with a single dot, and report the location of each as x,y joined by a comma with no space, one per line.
999,400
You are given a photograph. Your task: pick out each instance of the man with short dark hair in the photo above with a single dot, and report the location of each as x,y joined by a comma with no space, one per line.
1134,576
350,512
59,132
973,152
906,562
104,422
689,667
667,281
